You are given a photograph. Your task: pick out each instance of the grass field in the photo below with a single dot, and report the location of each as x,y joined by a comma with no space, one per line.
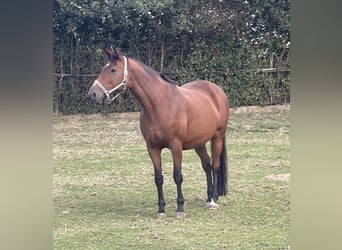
104,194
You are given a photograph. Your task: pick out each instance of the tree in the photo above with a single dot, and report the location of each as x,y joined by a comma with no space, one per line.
224,41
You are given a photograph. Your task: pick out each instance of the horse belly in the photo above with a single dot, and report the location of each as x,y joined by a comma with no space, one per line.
200,130
190,144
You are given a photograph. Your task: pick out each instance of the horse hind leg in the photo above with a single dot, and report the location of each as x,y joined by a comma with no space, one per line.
219,166
205,160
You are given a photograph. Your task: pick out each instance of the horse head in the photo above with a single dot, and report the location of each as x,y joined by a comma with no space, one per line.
112,79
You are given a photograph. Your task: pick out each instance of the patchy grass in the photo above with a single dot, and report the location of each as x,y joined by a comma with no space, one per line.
105,198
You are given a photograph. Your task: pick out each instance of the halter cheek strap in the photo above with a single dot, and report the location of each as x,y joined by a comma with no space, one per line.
123,83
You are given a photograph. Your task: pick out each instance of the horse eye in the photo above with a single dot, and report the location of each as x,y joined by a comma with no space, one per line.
112,70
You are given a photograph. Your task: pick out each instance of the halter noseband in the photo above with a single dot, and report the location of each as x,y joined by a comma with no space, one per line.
123,83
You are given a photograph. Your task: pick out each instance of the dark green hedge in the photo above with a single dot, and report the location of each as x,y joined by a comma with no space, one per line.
225,42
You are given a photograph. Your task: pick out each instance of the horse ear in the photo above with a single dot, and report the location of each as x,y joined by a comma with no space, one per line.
117,52
107,52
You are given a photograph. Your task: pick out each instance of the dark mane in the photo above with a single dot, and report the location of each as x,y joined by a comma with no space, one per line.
166,78
153,72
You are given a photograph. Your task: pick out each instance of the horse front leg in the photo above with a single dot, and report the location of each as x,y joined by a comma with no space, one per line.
155,155
176,151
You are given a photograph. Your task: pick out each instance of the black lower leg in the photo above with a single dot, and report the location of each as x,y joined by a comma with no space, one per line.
158,177
215,192
206,165
178,178
210,188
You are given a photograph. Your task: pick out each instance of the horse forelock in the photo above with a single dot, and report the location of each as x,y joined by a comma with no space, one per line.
113,57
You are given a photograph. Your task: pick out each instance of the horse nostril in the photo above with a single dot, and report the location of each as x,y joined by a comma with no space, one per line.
91,95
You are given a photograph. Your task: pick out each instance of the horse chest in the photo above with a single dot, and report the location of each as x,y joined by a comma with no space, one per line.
155,136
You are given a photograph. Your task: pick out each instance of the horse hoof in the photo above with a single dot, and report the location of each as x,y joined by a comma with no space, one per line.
180,215
212,205
161,215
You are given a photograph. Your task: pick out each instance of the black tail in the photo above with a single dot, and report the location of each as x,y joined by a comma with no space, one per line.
222,186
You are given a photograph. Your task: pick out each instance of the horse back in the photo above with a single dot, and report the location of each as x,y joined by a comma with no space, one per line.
202,92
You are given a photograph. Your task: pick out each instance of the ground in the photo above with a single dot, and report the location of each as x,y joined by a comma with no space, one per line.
104,194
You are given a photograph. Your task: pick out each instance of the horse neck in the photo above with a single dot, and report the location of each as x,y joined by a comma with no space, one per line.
148,87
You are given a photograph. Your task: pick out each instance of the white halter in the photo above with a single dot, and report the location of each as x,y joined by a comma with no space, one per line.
123,83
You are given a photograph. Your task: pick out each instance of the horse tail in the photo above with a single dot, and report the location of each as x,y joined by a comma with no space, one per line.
223,171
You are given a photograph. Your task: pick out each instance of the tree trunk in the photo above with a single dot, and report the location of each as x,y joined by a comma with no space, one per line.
162,49
61,77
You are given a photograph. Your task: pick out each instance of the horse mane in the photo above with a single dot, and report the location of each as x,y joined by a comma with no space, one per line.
151,71
166,78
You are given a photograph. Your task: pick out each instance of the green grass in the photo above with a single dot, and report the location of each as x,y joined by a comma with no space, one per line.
105,198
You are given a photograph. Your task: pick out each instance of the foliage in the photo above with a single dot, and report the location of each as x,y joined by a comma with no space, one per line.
224,41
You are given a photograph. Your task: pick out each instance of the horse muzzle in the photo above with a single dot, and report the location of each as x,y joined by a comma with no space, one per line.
95,95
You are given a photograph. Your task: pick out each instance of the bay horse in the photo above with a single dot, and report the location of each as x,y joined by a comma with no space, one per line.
174,117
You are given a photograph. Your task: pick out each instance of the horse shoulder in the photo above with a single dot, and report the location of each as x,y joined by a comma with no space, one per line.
159,129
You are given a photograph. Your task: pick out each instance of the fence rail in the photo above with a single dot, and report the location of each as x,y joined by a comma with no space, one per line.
267,86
